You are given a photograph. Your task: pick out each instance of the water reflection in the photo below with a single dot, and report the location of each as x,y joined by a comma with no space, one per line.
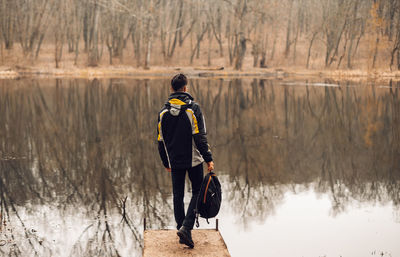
86,151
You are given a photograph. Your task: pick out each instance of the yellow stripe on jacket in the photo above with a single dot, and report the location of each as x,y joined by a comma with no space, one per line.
160,138
195,125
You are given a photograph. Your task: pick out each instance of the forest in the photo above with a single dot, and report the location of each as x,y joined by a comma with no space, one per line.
239,34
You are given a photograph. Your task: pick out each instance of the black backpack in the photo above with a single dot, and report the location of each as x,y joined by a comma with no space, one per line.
209,199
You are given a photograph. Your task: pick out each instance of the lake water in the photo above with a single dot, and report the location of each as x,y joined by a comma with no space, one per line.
308,168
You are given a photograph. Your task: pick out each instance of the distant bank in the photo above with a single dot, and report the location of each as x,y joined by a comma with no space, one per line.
199,72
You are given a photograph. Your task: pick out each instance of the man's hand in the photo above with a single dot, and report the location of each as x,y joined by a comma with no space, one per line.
168,169
210,166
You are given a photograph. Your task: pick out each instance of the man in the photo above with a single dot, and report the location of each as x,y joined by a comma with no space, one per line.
183,147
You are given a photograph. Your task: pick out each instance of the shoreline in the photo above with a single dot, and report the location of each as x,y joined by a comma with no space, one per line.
196,72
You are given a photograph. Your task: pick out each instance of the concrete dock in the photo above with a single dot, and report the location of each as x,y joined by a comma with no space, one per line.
165,243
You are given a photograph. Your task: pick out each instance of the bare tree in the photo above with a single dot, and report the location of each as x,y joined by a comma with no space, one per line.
313,37
215,17
93,33
267,31
200,29
172,23
59,31
289,42
32,18
260,38
7,22
396,45
377,24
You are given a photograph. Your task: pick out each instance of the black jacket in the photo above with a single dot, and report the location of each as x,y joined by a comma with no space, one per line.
182,141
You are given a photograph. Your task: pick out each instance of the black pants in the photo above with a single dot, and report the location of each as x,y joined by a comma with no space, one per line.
178,189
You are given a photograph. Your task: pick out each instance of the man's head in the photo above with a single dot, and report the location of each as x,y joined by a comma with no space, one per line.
179,82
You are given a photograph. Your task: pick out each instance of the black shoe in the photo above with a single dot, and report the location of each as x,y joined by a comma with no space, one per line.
185,236
180,240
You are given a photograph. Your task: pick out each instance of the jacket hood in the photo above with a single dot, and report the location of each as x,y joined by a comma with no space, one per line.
178,101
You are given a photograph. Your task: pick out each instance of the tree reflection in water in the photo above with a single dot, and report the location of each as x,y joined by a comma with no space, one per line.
89,147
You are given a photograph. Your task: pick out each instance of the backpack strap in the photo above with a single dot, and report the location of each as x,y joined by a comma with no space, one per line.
197,219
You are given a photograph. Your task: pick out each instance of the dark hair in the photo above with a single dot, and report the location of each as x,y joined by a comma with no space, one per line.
178,81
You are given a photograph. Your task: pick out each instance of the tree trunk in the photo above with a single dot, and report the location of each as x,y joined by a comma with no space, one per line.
263,61
295,46
309,48
344,52
110,49
352,32
148,45
7,17
94,55
59,42
256,53
349,53
375,52
199,37
171,46
398,60
209,48
148,55
289,30
273,49
231,48
76,49
332,58
38,45
136,39
216,29
86,27
241,51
